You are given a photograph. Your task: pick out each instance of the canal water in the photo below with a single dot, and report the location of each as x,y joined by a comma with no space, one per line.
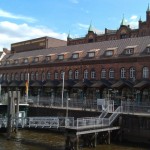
46,140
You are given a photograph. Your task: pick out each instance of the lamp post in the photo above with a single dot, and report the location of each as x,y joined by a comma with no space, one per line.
63,77
68,99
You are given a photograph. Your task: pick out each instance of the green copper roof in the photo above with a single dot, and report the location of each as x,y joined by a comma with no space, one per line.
90,27
123,21
68,35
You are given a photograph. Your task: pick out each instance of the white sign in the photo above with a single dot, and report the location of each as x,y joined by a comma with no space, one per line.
101,102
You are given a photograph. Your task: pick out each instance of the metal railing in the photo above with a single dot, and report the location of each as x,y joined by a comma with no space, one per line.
135,107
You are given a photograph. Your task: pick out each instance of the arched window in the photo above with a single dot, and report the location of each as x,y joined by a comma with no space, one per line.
16,76
32,75
22,76
93,74
43,76
70,74
132,73
76,74
145,72
36,76
85,74
123,73
111,73
56,75
62,73
26,76
12,76
8,77
4,77
48,75
103,73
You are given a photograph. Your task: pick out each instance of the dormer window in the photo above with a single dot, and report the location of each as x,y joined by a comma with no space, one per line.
109,53
129,51
75,55
36,59
91,54
16,61
48,58
60,57
148,50
26,60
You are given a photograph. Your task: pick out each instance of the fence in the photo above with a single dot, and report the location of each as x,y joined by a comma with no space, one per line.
135,107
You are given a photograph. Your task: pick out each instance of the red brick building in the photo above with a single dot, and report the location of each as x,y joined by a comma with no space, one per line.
114,64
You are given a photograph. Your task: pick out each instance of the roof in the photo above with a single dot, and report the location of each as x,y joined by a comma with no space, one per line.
122,83
100,84
140,42
142,84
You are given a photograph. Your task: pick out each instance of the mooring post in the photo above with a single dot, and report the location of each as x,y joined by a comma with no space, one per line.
108,137
95,140
9,115
77,143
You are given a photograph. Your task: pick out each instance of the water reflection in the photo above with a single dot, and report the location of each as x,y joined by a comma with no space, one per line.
46,140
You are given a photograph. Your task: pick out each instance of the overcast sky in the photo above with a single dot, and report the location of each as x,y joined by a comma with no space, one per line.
27,19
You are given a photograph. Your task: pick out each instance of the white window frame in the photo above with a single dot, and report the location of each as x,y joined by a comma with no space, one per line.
26,60
93,74
123,73
85,74
36,75
22,76
145,72
48,75
75,55
91,54
48,58
43,76
76,74
132,72
109,53
56,75
70,74
60,57
103,73
36,59
111,73
129,51
16,61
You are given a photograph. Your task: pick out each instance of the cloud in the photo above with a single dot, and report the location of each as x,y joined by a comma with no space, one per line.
134,17
12,32
74,1
83,26
6,14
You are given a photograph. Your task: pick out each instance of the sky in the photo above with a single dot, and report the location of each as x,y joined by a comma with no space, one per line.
22,20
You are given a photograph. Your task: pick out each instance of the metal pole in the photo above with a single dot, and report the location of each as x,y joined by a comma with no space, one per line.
17,110
63,76
9,116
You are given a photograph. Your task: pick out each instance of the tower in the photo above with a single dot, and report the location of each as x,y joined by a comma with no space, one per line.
148,15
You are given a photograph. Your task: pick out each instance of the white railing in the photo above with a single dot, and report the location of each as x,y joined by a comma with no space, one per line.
115,114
